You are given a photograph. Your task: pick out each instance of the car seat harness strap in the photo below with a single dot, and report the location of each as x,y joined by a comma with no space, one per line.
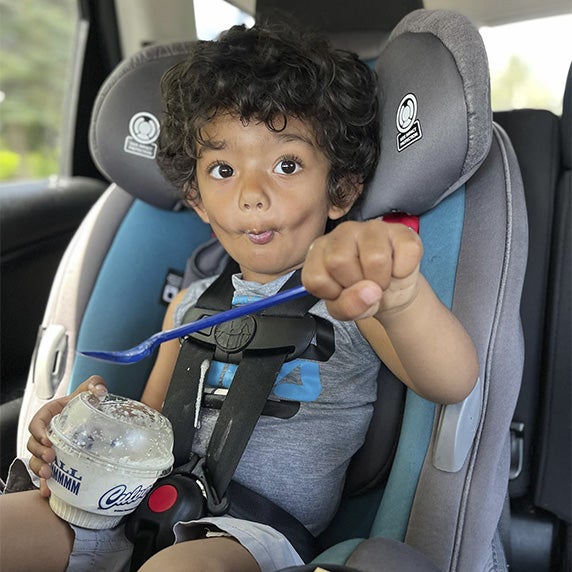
203,485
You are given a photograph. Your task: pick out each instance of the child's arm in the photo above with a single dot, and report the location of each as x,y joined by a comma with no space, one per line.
160,377
369,272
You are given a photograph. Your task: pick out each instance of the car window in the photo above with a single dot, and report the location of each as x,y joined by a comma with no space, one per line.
214,16
36,45
529,62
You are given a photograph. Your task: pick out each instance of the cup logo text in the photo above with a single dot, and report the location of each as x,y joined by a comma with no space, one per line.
66,476
119,496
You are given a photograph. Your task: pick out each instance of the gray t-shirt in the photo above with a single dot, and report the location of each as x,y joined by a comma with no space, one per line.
300,462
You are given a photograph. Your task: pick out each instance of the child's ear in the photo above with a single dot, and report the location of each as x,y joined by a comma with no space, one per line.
350,190
197,206
193,200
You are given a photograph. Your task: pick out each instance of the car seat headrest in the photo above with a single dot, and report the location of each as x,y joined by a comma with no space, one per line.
435,112
125,124
435,116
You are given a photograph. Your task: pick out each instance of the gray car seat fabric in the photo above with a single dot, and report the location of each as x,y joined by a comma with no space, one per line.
125,128
444,144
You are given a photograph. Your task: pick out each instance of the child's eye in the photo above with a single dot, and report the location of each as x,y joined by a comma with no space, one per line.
221,171
287,167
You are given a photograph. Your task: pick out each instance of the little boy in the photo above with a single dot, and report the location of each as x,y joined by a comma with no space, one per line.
272,136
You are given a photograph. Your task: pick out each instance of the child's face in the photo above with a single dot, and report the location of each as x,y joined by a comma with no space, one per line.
264,193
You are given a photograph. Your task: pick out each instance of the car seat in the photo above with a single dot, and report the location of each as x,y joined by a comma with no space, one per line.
442,159
457,154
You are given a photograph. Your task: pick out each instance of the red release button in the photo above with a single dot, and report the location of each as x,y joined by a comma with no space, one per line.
162,498
411,221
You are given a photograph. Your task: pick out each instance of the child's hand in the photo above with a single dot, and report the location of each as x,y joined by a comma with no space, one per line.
39,444
364,269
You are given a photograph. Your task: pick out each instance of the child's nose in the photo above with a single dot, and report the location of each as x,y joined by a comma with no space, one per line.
247,205
253,195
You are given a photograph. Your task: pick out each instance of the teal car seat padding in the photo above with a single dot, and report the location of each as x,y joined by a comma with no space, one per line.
125,306
441,232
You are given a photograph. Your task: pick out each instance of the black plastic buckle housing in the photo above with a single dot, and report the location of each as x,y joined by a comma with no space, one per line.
255,332
186,494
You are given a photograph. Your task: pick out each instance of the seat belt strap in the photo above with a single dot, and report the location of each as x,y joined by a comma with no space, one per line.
246,502
184,394
247,397
250,388
183,397
218,296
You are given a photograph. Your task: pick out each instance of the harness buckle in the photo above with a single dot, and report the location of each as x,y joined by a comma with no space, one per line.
184,495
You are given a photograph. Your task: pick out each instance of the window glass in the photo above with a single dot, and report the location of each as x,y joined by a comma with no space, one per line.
214,16
529,62
36,39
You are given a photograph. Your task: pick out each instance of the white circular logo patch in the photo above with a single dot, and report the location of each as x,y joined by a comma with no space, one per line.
143,132
144,127
406,113
407,123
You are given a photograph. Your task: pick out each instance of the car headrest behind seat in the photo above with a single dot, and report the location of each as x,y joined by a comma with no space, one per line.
345,23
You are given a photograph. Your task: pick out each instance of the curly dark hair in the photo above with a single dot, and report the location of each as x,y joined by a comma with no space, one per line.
268,73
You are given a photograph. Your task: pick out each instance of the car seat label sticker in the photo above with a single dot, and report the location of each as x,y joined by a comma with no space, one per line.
143,132
407,123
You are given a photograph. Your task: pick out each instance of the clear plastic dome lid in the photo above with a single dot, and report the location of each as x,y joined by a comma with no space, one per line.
116,430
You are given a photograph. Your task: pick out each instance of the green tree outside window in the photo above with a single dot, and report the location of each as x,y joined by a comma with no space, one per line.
36,40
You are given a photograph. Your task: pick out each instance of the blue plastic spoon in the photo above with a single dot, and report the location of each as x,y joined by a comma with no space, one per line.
146,348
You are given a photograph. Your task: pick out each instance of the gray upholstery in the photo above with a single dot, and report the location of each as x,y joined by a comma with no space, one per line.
124,129
454,114
487,299
388,555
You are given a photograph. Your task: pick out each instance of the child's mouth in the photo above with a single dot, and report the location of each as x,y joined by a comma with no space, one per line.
260,237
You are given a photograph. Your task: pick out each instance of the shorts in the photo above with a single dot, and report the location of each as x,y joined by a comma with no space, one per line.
110,551
270,548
